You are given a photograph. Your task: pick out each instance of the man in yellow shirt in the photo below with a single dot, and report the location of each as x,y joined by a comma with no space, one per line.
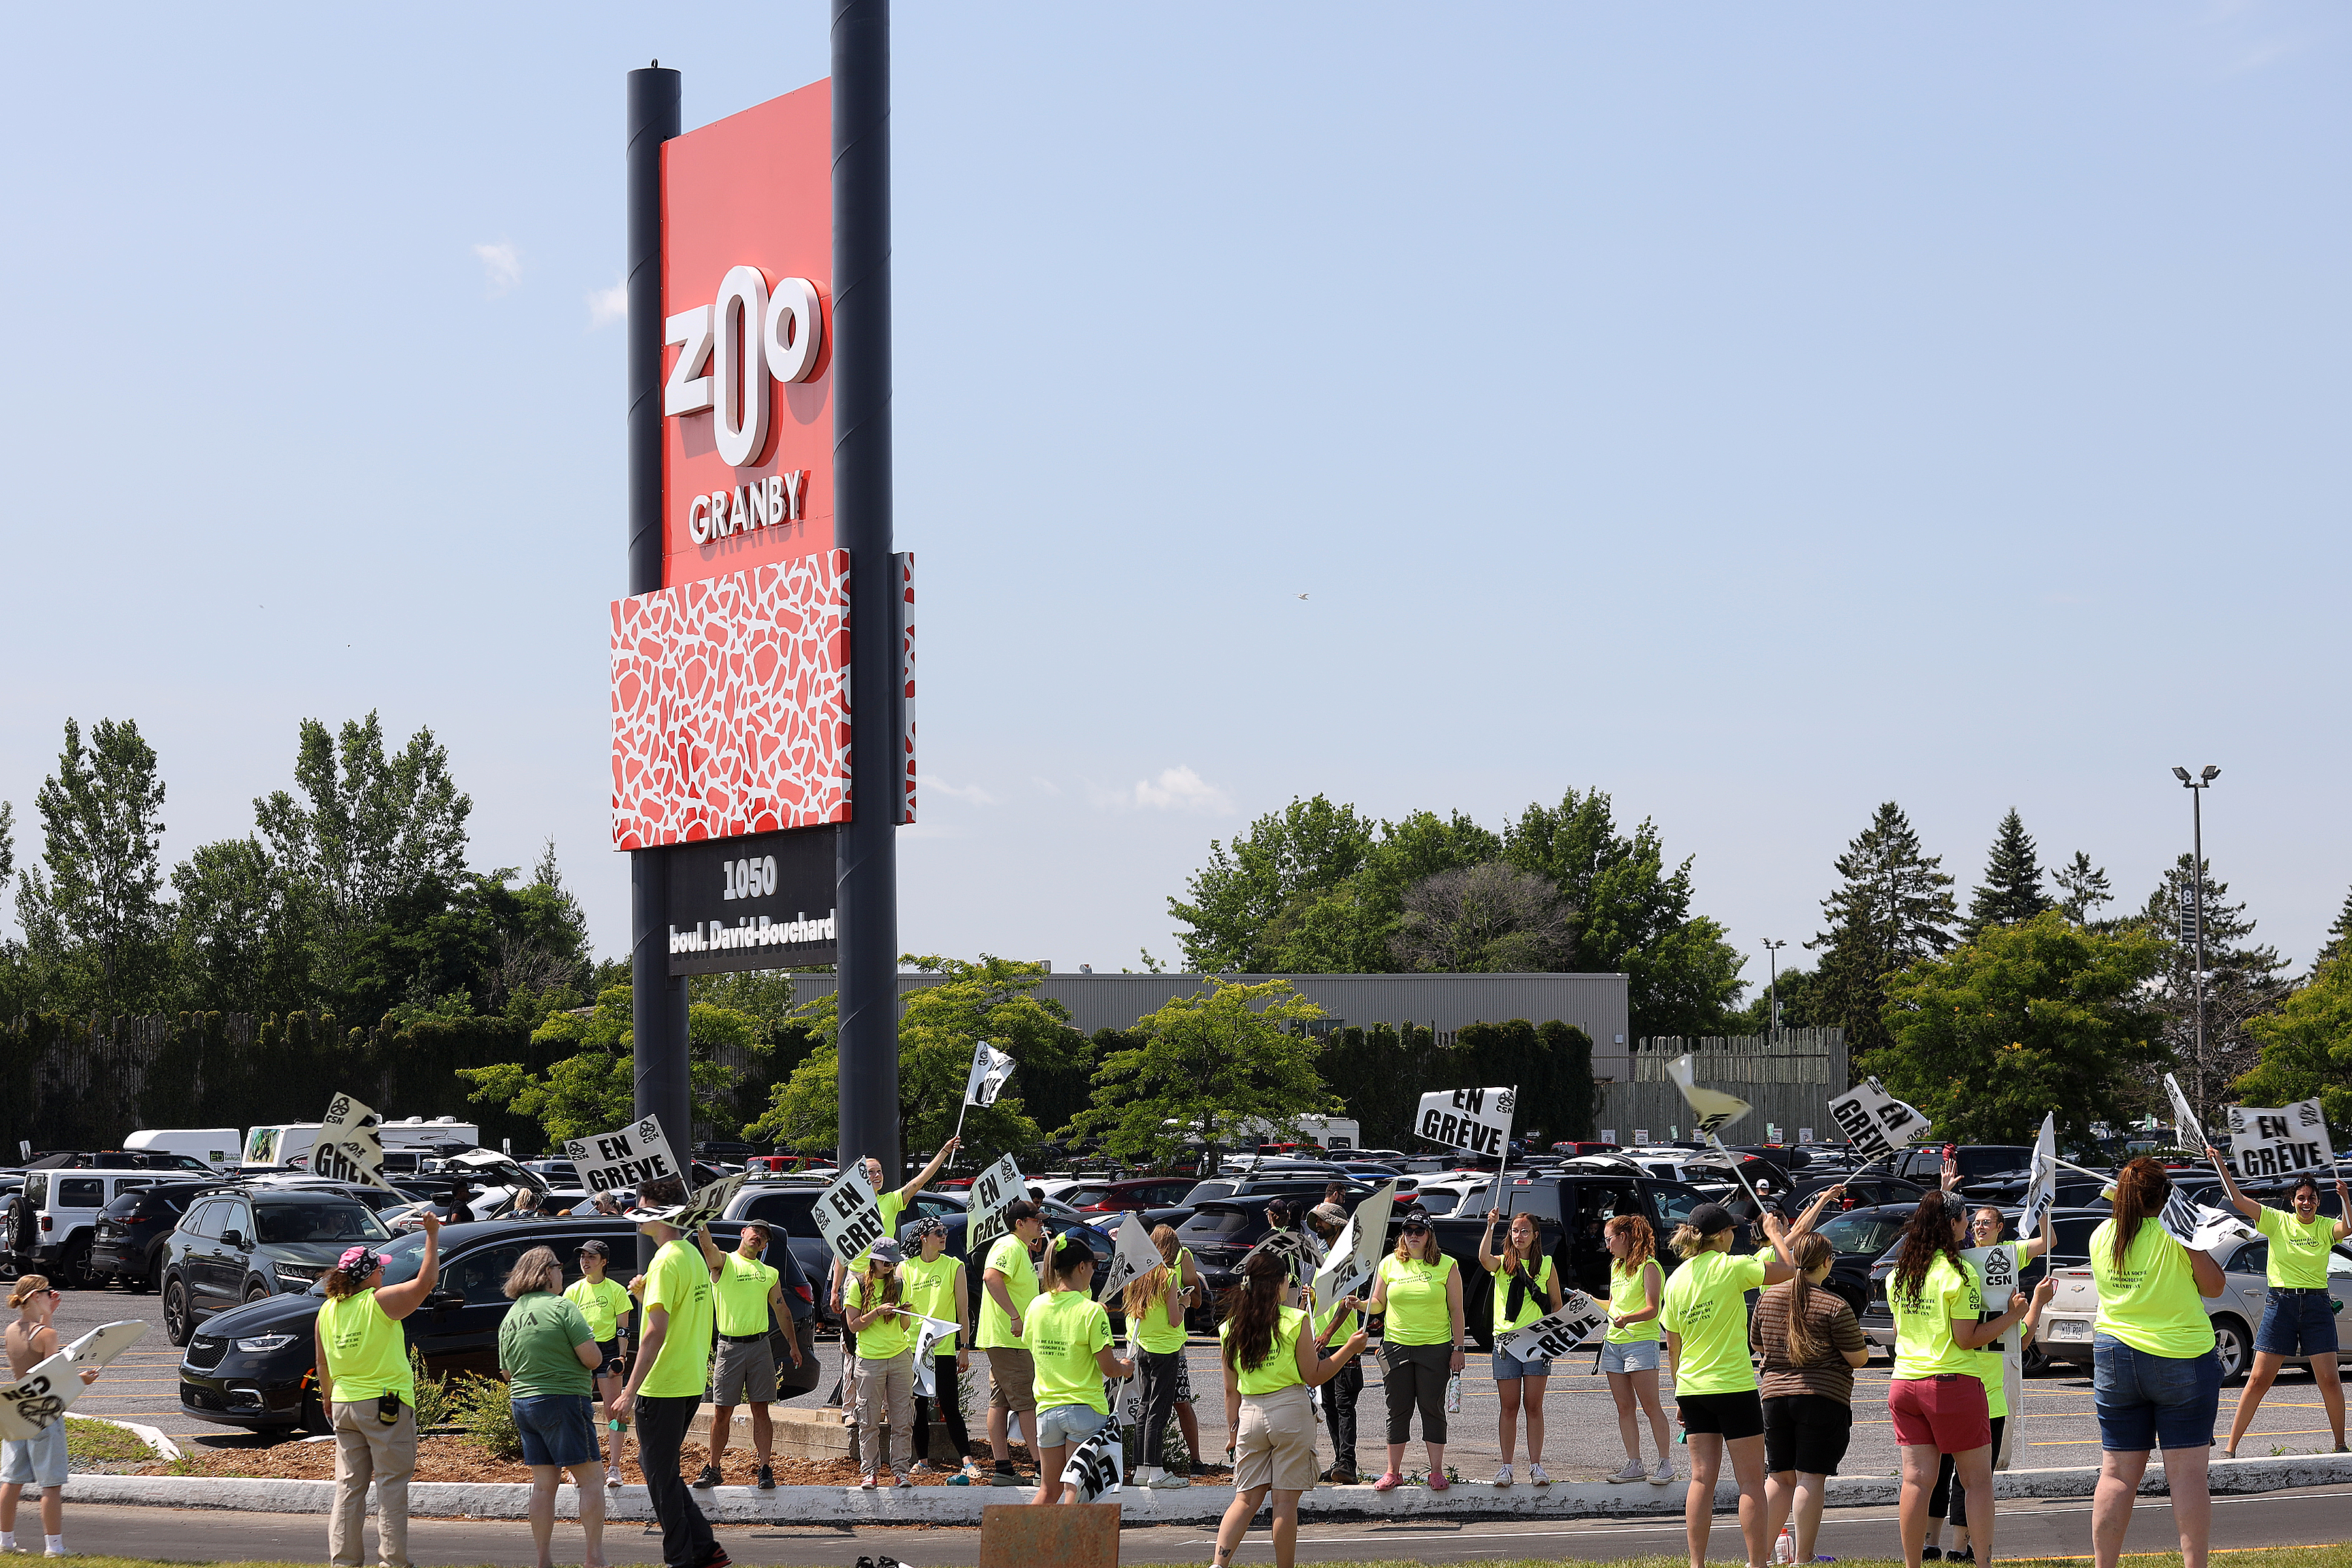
665,1388
749,1291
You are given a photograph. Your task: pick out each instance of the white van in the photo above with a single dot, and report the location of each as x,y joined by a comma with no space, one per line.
216,1146
415,1133
280,1145
286,1142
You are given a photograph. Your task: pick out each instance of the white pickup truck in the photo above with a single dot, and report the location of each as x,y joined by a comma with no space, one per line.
2237,1311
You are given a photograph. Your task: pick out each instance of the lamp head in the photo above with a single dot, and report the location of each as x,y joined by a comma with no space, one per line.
2181,774
2211,774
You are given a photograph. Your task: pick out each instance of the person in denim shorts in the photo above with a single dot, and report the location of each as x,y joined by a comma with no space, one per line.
2300,1317
1631,1349
2154,1379
550,1357
1526,1287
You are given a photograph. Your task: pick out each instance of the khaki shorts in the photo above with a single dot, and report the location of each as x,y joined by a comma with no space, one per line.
1012,1381
1276,1447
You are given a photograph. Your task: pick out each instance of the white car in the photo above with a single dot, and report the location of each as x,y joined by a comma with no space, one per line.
2237,1311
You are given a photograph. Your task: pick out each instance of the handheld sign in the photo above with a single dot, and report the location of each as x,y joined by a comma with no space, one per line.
1358,1248
1715,1109
1133,1255
2200,1228
349,1148
2282,1142
1095,1464
2190,1132
31,1404
1996,1269
2041,1182
992,1191
848,1217
928,1333
1578,1320
711,1202
629,1158
1477,1119
1874,1121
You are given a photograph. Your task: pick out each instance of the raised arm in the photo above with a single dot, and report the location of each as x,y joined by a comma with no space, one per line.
712,1259
1812,1217
2343,1210
1489,1258
939,1160
2238,1200
398,1301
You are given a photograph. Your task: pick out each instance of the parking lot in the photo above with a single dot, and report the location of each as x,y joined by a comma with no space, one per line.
2057,1423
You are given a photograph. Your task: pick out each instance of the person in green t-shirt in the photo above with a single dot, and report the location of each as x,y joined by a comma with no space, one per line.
892,1201
1705,1316
606,1303
549,1353
1526,1287
1008,1277
2300,1317
1069,1338
666,1386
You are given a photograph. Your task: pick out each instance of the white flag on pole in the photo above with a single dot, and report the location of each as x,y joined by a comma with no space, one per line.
2189,1134
2041,1182
928,1333
990,1068
349,1148
1477,1119
1874,1121
1133,1255
2284,1141
1715,1109
2200,1228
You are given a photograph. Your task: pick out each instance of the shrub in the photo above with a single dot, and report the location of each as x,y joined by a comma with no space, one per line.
431,1392
483,1407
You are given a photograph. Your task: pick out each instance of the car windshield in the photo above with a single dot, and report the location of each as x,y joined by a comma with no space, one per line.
1203,1191
1438,1201
339,1221
1851,1234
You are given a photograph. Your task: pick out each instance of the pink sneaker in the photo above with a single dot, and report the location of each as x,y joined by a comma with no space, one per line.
1389,1482
1438,1483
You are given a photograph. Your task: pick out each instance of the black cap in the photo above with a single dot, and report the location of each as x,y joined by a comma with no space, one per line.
1709,1218
1416,1218
595,1248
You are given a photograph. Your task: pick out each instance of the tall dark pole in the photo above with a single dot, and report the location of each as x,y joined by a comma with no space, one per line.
869,889
2197,787
657,999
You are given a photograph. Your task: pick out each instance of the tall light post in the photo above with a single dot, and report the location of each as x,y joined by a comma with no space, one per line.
2197,787
1772,1019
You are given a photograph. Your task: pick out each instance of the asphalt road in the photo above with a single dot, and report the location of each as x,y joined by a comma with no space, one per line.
2056,1427
2026,1529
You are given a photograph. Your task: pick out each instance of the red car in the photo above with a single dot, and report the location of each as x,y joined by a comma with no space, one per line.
1137,1193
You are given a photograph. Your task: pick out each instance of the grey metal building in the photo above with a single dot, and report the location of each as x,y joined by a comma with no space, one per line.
1593,1003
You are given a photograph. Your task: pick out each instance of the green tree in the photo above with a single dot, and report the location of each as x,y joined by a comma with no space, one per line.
1223,1067
237,940
2028,1019
2083,889
989,1000
1493,918
373,839
1286,860
594,1089
2244,980
2306,1045
1893,907
96,923
2012,892
1800,990
2338,935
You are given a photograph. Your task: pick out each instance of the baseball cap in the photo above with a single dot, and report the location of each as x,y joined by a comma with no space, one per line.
595,1248
1709,1218
886,1253
1331,1213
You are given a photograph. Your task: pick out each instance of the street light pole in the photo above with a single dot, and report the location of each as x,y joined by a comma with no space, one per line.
1772,1019
2197,787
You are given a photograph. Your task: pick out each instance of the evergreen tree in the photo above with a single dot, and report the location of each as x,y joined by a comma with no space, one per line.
2339,935
1893,907
2084,889
2244,980
95,921
2011,894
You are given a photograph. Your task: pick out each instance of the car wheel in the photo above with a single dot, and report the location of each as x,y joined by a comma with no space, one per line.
175,1310
257,1292
2230,1346
154,1278
314,1416
73,1268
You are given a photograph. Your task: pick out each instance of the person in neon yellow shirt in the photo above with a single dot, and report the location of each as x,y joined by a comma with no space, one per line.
666,1387
362,1362
2299,1319
892,1201
606,1304
1526,1286
1070,1339
1631,1348
1155,1301
1271,1360
1008,1278
1419,1290
1705,1316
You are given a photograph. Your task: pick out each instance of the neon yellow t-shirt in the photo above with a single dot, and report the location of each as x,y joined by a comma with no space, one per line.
2152,1302
1705,1307
2298,1251
1538,1301
679,1283
744,1285
890,1204
601,1303
367,1355
885,1337
1923,1346
1010,1256
1280,1368
1627,1293
1417,1313
930,1288
1065,1330
1153,1332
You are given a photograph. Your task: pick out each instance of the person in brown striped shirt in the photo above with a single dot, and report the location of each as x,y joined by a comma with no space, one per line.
1810,1344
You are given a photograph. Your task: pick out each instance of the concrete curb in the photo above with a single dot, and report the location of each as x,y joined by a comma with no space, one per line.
157,1444
1139,1506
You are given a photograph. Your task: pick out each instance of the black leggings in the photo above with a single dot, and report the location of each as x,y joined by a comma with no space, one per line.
1160,1372
1416,1376
950,1407
1956,1495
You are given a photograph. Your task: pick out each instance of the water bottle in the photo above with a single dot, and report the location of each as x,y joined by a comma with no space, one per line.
1785,1549
1454,1394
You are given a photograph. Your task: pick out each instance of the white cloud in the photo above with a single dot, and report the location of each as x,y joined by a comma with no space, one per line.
933,783
1041,782
501,264
606,306
1180,789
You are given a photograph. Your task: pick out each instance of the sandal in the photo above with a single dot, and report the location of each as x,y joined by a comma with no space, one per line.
1389,1482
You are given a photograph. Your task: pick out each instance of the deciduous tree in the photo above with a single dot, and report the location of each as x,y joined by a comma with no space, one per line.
1493,918
1222,1066
2306,1045
96,923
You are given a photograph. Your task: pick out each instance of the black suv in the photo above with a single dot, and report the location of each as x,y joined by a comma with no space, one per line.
132,1231
241,1244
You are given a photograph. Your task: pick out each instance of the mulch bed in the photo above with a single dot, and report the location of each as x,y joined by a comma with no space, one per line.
456,1459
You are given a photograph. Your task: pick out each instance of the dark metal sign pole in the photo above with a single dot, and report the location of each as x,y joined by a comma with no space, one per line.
868,886
657,999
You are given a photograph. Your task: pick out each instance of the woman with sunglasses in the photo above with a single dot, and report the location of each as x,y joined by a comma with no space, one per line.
1985,1229
35,1461
1421,1290
2299,1315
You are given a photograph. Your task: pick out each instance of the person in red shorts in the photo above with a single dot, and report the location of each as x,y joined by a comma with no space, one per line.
1936,1400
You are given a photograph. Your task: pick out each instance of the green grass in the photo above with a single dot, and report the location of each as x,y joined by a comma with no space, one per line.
97,1442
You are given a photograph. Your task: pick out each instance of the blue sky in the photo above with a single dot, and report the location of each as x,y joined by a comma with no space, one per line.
1756,413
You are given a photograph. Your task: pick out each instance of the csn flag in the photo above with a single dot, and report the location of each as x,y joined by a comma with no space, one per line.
349,1147
990,1068
1362,1244
1477,1119
2198,1227
1578,1320
2042,1179
2190,1132
1715,1109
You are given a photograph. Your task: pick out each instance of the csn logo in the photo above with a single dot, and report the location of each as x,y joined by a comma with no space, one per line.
728,352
